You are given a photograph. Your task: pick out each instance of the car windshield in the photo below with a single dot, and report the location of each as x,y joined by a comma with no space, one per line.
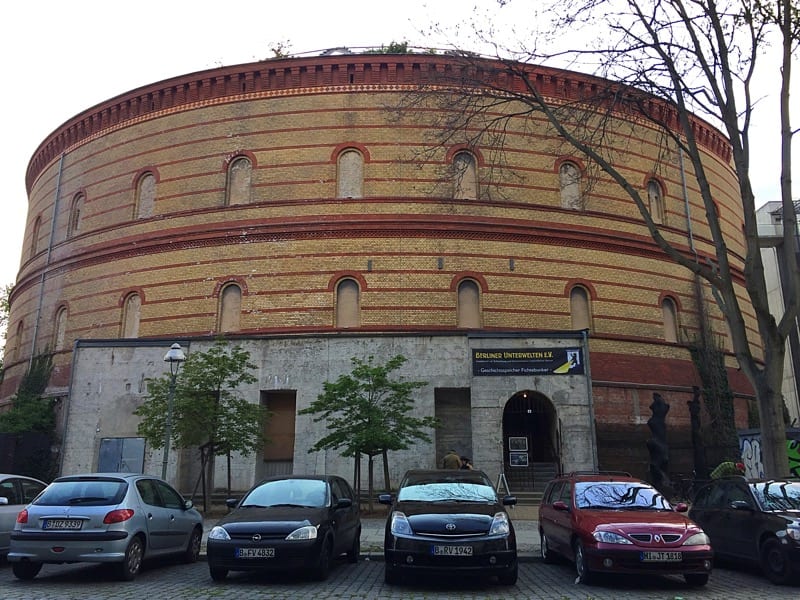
778,495
619,495
85,492
288,492
454,489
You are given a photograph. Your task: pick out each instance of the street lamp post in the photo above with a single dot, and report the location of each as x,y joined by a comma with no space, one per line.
174,357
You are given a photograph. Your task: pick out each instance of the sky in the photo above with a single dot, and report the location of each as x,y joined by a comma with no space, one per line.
63,57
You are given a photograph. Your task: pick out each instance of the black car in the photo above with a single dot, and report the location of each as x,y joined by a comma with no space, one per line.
294,522
757,521
449,521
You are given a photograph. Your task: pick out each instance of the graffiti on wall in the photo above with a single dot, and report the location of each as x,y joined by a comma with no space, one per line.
750,447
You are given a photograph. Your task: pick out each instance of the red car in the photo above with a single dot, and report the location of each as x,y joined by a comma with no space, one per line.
615,523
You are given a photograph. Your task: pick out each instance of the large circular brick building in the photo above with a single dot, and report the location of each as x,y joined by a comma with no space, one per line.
286,205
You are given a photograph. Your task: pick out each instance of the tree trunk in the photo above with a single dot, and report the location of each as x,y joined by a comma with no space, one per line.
774,457
387,485
371,483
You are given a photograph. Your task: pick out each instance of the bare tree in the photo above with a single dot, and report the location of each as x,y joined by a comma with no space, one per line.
670,63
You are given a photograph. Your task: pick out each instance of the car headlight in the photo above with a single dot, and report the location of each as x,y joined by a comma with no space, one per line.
307,532
500,525
609,537
794,533
400,524
218,533
698,539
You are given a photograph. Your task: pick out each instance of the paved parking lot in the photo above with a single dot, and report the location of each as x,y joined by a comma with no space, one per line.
365,581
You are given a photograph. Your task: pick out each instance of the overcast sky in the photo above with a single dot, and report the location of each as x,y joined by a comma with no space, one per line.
62,57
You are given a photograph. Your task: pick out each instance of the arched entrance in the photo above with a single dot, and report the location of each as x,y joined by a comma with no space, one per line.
531,442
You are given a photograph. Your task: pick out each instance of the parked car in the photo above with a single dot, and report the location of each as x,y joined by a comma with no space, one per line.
15,492
104,518
448,521
756,521
294,522
615,523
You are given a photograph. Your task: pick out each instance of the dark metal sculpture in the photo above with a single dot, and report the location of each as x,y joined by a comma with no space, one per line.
657,445
700,466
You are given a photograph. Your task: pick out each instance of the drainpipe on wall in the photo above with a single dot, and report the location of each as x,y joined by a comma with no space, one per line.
592,425
50,242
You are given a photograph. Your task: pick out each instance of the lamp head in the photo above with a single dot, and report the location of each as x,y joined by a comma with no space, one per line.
174,356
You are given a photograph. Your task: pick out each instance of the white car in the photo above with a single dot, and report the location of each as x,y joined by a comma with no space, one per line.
16,491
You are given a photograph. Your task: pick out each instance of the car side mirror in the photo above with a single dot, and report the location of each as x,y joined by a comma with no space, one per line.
385,498
561,505
509,500
740,505
232,502
681,507
188,505
344,503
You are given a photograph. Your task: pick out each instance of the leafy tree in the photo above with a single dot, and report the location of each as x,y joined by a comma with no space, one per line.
662,62
367,412
208,411
30,413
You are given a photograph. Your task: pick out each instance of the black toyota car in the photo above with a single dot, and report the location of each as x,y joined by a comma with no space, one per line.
293,522
449,521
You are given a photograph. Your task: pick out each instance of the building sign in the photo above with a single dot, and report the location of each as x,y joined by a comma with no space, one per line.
527,361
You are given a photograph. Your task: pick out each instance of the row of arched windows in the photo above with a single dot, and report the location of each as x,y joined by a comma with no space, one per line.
348,311
350,184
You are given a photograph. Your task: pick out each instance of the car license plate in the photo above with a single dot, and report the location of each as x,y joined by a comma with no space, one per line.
255,552
661,556
62,524
452,550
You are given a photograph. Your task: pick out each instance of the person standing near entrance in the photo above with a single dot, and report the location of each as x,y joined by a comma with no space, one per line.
451,460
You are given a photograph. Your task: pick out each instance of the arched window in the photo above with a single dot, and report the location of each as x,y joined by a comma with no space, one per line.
230,308
350,176
579,308
465,177
348,312
15,348
240,174
145,196
131,313
59,333
670,313
569,178
75,215
35,232
469,305
655,198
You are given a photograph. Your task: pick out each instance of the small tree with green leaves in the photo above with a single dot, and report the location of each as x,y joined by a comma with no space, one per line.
366,412
31,413
208,410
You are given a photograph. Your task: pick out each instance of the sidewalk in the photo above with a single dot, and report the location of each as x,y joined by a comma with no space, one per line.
372,530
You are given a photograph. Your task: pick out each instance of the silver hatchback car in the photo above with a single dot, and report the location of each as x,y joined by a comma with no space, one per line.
104,518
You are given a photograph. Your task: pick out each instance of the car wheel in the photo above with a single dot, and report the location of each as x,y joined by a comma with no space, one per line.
26,570
192,552
323,567
391,575
774,562
510,576
217,573
355,549
696,579
132,562
581,564
544,549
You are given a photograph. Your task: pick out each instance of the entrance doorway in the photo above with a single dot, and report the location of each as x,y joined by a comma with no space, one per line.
530,441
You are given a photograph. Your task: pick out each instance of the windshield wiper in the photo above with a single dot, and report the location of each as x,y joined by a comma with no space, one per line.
286,504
